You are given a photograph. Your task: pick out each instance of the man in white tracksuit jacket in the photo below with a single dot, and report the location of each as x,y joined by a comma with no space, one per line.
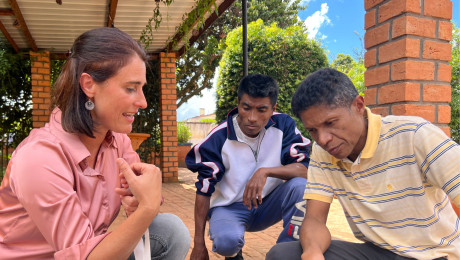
242,166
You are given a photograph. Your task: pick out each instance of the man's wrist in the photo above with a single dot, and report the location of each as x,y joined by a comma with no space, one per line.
265,172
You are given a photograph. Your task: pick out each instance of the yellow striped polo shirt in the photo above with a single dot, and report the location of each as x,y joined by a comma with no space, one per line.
395,194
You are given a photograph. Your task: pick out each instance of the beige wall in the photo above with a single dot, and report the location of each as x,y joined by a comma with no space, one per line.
200,130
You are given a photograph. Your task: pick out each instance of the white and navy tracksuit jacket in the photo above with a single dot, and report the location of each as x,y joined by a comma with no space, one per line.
225,165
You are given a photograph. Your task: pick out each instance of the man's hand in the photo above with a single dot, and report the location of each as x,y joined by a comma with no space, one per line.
253,191
199,252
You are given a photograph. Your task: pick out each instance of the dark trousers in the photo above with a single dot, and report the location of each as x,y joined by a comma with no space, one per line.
338,250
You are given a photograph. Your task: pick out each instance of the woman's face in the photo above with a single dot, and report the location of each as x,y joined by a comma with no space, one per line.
118,99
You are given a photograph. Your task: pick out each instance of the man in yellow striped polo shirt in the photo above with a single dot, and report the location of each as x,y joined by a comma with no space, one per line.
393,177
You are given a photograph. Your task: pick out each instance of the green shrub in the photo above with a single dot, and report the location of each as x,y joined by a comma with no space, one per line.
287,55
183,132
208,120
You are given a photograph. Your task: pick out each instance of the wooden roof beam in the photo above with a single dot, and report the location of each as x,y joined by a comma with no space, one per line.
20,18
211,19
112,12
7,12
8,37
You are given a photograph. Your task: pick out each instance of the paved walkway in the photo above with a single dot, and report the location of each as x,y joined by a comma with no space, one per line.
180,200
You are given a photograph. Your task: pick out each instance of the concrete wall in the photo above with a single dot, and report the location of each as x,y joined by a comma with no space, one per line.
200,130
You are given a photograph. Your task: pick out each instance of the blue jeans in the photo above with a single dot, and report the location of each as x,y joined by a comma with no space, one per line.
227,224
169,238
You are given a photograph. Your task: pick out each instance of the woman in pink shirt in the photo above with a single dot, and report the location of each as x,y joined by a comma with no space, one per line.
62,187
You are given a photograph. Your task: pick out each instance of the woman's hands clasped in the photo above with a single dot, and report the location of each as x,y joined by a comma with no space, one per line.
141,186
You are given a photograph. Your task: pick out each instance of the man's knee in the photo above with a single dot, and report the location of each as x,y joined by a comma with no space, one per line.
171,229
227,242
286,250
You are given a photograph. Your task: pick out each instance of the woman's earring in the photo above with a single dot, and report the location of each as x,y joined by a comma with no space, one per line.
89,105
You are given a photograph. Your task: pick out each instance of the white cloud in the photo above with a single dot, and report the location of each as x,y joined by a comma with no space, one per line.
303,2
315,21
335,40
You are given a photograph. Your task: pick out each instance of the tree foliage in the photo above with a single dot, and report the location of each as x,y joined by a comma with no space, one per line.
285,54
354,69
195,70
455,85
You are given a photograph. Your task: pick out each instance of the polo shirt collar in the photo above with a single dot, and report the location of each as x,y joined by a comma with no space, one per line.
373,135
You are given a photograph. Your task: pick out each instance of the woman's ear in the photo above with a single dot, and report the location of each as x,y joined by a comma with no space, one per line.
87,84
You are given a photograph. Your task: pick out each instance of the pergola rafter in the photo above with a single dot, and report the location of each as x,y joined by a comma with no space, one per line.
17,12
8,37
112,12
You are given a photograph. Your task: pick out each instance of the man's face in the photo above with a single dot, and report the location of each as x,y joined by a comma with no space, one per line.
253,114
339,131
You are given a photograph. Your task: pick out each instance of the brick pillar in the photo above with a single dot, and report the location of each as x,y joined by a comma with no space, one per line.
40,76
168,123
407,58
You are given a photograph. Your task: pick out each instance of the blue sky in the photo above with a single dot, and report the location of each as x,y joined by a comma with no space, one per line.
334,21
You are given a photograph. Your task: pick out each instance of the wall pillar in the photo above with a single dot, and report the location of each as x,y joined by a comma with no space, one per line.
41,87
407,58
168,124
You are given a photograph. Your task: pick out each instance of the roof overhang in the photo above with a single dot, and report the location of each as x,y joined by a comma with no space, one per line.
46,25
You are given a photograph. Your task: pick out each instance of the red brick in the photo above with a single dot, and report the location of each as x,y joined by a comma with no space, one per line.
397,7
37,64
37,100
370,58
39,89
47,89
34,106
166,91
162,54
43,106
165,81
44,83
173,85
444,73
34,82
438,8
44,94
368,4
424,111
38,124
377,76
414,26
44,118
36,76
37,112
165,70
46,65
165,60
44,57
437,51
416,70
171,75
167,174
369,96
35,94
167,164
162,75
166,102
404,48
166,113
436,93
369,19
377,35
172,107
405,91
171,65
446,130
46,77
445,31
172,55
171,97
33,70
444,114
44,71
172,118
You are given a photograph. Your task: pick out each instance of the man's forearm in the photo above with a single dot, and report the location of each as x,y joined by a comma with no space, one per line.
287,172
201,213
315,237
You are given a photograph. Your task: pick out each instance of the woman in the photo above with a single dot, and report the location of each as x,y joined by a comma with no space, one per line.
62,186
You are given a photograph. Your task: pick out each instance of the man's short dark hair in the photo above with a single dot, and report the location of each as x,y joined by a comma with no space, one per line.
327,87
258,85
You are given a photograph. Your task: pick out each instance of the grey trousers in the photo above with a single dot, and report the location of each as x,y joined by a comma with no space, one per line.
338,250
169,238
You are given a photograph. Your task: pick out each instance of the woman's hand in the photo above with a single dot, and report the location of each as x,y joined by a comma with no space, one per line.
144,183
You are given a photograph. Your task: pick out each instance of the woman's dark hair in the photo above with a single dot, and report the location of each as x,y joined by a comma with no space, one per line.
258,85
101,53
327,87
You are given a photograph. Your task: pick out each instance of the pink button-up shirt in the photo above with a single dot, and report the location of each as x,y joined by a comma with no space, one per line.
52,205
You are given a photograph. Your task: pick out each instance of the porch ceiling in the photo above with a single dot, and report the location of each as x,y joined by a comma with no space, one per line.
54,27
